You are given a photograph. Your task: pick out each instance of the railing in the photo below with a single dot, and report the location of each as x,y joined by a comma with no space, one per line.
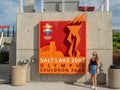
7,31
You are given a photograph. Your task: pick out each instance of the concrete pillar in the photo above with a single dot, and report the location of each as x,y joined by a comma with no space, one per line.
114,78
18,75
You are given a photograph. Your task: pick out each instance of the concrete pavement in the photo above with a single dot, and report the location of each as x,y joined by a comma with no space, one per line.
4,78
51,86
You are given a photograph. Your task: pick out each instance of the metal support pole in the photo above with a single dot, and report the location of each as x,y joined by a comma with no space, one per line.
2,29
7,32
107,2
63,5
42,6
102,7
13,32
20,6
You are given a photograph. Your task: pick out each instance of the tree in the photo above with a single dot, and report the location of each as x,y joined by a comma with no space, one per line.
116,41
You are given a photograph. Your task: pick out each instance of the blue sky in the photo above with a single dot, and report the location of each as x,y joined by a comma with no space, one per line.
9,8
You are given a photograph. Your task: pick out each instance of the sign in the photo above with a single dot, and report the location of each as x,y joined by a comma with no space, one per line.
4,26
62,46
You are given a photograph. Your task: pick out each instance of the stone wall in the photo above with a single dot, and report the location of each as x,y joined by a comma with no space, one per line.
99,39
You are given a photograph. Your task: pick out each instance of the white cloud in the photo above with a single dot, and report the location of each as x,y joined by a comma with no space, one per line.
8,10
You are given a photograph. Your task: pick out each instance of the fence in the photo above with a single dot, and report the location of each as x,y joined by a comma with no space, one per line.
8,31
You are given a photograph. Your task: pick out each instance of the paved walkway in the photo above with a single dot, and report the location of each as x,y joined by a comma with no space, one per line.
51,86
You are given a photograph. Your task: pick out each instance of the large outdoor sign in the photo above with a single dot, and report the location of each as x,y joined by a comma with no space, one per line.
62,46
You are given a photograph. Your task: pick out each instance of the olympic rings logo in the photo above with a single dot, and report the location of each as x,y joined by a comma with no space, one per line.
47,37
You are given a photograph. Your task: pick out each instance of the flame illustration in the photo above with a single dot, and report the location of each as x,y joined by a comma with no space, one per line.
74,37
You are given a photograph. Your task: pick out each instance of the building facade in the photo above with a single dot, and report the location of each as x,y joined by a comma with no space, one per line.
98,38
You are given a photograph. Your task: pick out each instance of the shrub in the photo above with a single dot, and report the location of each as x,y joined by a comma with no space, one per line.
116,42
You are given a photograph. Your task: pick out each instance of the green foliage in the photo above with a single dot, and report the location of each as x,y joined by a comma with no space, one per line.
4,57
1,58
6,43
116,41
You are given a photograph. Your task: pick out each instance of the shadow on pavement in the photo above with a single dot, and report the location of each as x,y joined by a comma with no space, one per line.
78,84
86,85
